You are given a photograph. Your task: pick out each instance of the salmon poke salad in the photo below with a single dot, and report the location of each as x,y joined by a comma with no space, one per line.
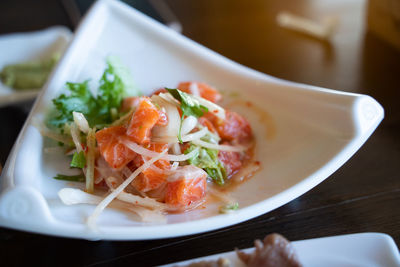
170,151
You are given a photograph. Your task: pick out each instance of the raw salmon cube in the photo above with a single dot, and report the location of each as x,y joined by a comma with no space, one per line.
115,153
203,89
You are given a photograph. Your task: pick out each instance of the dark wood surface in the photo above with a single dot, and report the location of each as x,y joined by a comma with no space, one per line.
362,196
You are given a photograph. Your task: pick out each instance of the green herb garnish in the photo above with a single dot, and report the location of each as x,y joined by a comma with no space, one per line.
207,159
189,106
229,208
99,110
70,178
78,160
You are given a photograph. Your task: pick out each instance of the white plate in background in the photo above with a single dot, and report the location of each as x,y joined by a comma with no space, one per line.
304,133
29,46
354,250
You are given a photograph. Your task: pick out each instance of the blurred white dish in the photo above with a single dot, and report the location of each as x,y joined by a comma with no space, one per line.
304,133
355,250
30,46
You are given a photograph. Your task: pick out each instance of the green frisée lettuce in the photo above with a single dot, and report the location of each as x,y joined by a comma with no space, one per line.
99,110
207,159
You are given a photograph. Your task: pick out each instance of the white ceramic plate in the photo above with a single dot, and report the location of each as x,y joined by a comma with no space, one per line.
355,250
304,133
30,46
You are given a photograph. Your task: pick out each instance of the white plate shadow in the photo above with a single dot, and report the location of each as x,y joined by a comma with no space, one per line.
304,133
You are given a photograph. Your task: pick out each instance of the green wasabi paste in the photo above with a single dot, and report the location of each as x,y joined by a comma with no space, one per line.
27,75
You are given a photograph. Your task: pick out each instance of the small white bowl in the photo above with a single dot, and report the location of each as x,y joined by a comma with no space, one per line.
29,46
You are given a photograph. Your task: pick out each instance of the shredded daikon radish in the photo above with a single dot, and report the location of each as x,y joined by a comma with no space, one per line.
55,136
91,222
81,122
122,120
65,139
188,124
194,89
73,196
149,153
76,137
212,107
90,158
142,201
185,138
237,148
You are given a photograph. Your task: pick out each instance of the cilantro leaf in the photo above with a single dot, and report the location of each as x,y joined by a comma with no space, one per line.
78,160
189,106
71,178
207,159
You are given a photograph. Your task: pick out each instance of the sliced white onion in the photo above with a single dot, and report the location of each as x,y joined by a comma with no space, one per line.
71,196
81,121
214,136
176,149
91,221
90,158
171,129
149,153
237,148
169,98
188,124
195,135
194,89
212,107
75,137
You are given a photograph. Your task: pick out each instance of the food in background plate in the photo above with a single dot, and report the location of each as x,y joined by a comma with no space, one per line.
28,75
274,250
160,152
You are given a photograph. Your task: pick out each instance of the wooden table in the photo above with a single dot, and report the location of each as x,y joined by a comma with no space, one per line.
362,196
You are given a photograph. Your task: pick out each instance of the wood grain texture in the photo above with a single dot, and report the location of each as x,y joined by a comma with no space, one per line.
362,196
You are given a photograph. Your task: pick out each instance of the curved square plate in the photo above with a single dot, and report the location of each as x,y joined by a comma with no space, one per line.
304,133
